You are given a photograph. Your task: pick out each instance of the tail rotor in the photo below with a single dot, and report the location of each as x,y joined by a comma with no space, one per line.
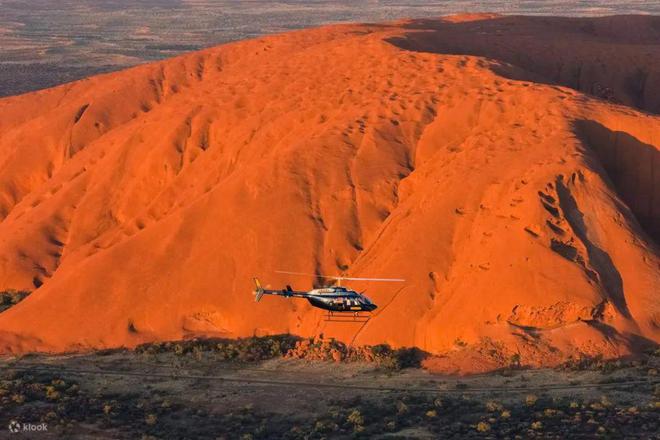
258,290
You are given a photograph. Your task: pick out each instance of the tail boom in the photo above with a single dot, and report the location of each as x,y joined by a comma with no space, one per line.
259,291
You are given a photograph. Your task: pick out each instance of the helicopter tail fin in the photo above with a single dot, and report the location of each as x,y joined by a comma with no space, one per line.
258,290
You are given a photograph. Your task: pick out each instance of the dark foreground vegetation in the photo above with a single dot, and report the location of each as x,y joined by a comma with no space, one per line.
69,409
277,387
288,346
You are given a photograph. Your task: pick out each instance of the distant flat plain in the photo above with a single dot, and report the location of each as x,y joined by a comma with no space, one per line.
44,43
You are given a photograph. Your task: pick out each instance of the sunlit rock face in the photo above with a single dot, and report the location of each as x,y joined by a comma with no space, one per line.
138,205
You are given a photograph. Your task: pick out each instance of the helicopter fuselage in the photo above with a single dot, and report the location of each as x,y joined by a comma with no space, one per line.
333,298
338,299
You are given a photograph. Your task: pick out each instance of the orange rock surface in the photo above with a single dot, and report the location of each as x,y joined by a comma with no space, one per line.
460,154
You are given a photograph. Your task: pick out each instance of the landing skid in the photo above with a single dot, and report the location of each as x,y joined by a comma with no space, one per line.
347,317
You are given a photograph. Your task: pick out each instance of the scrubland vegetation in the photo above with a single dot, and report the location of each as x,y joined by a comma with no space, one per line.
67,407
288,346
207,389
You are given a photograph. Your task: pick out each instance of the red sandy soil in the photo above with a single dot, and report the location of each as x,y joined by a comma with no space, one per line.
460,154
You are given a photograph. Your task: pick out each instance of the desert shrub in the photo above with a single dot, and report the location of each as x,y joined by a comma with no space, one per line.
355,417
332,350
401,407
531,399
52,393
493,406
11,297
409,357
483,427
325,426
460,343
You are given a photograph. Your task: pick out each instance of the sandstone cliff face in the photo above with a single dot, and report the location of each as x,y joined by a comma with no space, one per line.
633,168
139,205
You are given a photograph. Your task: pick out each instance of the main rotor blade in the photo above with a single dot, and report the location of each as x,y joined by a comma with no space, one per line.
335,277
372,279
301,273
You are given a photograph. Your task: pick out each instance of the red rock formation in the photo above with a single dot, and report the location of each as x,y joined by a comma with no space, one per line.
142,202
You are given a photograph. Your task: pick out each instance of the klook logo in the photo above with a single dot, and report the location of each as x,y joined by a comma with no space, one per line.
16,427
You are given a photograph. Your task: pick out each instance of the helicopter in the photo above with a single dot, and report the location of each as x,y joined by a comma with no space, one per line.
333,298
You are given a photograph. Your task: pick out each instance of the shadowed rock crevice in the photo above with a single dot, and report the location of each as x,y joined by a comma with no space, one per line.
632,166
608,275
80,113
